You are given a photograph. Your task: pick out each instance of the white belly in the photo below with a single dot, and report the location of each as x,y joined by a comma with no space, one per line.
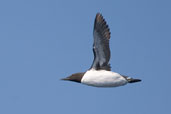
103,78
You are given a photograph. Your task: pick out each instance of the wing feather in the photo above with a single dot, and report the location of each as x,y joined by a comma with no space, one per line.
101,48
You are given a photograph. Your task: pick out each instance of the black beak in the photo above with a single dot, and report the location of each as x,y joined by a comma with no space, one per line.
65,79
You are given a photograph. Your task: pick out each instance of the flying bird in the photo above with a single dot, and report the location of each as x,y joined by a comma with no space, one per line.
100,74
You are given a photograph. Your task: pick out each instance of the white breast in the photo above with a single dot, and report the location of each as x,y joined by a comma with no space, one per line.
103,78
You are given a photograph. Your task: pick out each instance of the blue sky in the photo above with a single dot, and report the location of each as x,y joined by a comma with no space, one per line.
42,41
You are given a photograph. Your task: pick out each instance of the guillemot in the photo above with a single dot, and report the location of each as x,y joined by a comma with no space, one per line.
100,74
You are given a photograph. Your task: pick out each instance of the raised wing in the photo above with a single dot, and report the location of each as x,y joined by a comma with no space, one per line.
101,48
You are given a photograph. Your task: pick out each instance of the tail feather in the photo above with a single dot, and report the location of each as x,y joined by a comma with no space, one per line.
132,80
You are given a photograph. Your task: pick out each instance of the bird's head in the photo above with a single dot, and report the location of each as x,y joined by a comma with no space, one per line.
74,77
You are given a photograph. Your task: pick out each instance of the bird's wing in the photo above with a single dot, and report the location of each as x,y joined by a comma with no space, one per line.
101,48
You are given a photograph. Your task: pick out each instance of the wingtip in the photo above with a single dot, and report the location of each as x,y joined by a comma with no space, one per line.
98,14
100,21
99,17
